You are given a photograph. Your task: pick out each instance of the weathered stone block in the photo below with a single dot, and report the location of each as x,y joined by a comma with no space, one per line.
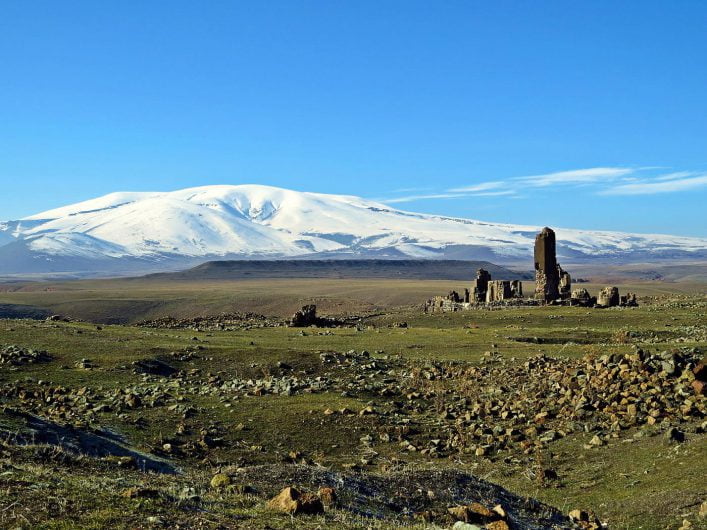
609,297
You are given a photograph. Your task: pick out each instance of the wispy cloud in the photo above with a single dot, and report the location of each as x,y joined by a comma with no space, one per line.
599,180
657,185
575,176
484,186
493,193
676,175
412,198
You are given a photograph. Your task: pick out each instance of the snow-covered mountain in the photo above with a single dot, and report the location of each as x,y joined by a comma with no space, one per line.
152,231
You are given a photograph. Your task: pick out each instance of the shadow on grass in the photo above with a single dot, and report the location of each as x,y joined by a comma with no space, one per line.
96,444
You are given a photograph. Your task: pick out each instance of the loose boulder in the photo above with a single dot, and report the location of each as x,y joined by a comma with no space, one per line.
327,496
220,480
294,502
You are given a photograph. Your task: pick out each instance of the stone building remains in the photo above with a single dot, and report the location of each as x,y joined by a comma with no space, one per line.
480,286
553,285
547,278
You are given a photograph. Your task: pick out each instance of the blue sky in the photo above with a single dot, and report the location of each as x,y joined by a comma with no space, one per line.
577,114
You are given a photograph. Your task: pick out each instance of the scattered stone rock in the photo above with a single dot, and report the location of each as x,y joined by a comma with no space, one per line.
327,496
461,525
222,322
585,520
674,435
220,480
596,441
85,364
154,367
138,492
18,356
293,502
474,513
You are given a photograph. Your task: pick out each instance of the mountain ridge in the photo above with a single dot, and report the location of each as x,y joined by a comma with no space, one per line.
169,230
341,268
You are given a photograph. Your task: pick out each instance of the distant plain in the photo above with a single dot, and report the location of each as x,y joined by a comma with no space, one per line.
646,483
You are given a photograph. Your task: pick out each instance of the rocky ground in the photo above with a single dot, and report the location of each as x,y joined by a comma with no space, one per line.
401,435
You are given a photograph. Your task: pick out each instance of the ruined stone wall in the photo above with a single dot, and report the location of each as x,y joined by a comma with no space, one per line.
498,290
480,286
517,289
307,316
565,283
609,297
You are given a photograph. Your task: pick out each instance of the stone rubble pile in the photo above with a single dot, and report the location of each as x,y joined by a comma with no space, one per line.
18,356
222,322
436,409
497,407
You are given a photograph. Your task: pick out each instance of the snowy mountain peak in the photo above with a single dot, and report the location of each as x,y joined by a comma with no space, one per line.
255,221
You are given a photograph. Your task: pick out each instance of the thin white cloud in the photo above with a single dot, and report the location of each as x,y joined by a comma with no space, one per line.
484,186
590,175
492,193
603,180
411,198
576,176
676,175
649,187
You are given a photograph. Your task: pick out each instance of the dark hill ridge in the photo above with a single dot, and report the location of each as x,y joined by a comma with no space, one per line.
354,268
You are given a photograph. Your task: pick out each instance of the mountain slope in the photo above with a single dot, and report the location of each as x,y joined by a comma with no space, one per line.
162,230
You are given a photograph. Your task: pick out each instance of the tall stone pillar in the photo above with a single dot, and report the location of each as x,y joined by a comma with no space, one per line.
547,279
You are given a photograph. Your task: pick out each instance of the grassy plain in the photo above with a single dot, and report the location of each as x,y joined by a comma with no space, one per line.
630,482
130,300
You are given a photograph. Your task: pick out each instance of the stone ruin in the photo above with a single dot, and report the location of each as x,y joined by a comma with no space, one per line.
609,297
484,291
547,277
553,285
451,302
481,286
499,290
565,283
552,282
305,317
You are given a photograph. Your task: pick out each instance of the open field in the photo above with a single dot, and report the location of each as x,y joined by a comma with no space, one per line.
121,301
463,392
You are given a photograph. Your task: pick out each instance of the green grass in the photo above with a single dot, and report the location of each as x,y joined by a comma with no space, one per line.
643,484
130,300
